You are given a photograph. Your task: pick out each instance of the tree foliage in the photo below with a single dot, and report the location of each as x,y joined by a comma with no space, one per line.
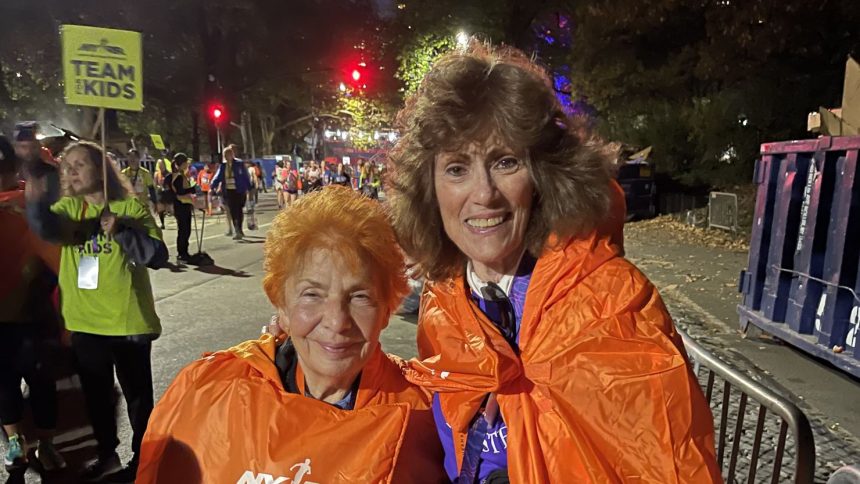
417,58
426,30
366,116
705,83
269,58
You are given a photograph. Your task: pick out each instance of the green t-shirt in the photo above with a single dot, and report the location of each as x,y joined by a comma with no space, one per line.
122,303
141,180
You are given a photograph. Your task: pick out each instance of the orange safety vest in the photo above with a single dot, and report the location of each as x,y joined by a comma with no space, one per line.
601,391
227,418
204,179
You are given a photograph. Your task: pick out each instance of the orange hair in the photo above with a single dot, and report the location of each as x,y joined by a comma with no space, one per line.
343,221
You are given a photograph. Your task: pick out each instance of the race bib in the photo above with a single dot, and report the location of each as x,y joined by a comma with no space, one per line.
88,273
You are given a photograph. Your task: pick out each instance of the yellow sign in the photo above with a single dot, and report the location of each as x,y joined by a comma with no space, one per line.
102,67
157,141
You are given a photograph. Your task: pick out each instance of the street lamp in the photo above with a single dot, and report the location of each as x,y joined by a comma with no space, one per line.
462,39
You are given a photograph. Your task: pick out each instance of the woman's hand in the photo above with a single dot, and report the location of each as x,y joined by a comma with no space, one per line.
108,222
273,328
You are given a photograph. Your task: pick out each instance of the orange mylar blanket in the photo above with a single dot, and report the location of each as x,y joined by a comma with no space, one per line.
227,418
601,391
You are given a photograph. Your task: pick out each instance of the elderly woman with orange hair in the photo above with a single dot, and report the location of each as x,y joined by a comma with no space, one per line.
323,403
552,357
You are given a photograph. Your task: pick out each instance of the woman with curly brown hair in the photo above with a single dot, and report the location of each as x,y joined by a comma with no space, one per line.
552,357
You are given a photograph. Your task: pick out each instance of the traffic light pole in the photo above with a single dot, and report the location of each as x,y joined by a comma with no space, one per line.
220,149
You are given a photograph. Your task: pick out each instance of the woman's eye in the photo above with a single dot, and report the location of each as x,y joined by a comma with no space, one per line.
362,298
455,170
508,163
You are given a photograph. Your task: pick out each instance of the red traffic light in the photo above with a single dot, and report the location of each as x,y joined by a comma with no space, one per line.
216,112
355,75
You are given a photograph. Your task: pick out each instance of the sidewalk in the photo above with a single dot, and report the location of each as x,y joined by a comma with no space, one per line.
699,286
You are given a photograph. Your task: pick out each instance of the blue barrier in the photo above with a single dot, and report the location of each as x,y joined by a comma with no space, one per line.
803,276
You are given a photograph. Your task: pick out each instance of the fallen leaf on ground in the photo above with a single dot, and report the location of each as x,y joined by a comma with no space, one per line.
669,226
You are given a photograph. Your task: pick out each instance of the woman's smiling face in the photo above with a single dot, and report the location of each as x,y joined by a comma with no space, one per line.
485,195
334,316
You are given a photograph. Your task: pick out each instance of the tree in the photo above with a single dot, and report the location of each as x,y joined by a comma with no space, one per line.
266,58
422,31
30,82
418,56
705,83
366,116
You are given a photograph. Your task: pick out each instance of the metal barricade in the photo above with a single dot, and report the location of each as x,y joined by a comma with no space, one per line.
723,211
755,454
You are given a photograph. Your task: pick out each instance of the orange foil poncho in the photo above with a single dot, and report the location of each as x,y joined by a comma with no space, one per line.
601,390
227,418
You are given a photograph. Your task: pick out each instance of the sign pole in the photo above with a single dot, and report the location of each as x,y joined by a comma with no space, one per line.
105,159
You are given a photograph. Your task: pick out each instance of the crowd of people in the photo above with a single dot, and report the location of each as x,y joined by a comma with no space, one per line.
366,177
233,187
544,355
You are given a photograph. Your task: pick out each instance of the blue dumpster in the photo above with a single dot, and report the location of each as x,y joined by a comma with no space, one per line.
803,277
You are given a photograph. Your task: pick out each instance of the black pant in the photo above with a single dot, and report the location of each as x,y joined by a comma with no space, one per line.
96,358
183,214
236,202
22,357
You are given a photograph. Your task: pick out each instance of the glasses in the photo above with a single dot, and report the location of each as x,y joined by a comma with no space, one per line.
508,319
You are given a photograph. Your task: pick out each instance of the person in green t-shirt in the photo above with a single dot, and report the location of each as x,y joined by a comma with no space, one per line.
141,179
107,300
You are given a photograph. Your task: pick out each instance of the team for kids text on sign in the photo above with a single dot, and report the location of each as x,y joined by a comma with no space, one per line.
102,67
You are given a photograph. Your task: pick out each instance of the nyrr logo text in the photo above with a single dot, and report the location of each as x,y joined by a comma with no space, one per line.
302,469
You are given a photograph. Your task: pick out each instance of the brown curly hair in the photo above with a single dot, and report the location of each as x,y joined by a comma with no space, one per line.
466,95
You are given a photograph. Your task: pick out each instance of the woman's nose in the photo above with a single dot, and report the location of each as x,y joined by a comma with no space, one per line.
484,187
337,317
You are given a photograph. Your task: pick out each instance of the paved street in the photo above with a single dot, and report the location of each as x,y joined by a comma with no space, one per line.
206,309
